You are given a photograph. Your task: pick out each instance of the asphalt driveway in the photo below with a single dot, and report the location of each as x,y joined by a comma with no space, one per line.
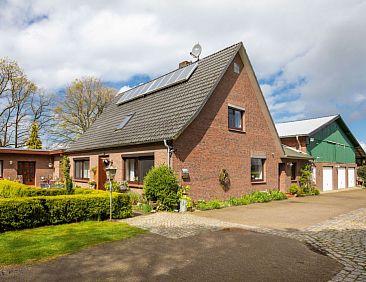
226,255
293,214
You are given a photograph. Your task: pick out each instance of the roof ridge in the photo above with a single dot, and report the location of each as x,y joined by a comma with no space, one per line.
204,58
308,119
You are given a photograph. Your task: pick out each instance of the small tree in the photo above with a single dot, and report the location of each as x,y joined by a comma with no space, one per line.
361,172
34,142
161,185
66,172
305,178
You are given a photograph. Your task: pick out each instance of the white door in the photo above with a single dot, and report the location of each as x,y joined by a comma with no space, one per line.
327,178
341,177
351,177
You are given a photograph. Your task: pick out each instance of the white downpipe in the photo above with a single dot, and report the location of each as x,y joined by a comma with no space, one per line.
168,150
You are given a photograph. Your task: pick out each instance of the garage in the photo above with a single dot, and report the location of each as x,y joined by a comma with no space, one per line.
351,177
341,177
327,178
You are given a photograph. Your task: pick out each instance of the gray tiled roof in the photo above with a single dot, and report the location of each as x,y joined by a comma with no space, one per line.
160,115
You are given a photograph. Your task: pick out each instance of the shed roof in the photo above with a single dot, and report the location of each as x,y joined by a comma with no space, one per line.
303,127
309,127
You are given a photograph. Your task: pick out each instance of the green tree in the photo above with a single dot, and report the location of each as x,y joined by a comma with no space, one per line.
361,172
66,171
161,185
84,102
305,178
34,142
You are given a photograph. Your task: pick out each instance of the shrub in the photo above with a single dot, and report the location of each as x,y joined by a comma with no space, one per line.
135,198
12,189
277,195
65,164
294,189
161,185
255,197
19,213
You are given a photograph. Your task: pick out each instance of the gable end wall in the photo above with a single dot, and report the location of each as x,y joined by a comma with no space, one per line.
207,146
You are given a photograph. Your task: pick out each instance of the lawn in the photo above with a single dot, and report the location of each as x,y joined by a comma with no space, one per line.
50,241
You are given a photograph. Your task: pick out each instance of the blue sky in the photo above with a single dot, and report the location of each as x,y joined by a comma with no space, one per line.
309,56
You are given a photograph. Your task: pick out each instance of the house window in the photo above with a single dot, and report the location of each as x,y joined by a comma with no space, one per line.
236,68
293,171
136,168
257,169
235,119
81,169
1,169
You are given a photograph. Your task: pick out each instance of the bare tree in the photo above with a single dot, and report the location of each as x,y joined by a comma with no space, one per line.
84,102
20,104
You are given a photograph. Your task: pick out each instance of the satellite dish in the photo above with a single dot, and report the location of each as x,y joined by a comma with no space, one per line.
196,51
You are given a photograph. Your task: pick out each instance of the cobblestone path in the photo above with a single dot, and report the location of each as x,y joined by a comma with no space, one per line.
342,238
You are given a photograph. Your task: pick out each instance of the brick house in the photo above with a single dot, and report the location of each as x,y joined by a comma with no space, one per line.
334,149
203,117
30,166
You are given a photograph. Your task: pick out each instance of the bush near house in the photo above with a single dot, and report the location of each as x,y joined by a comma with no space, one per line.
12,189
161,185
29,212
255,197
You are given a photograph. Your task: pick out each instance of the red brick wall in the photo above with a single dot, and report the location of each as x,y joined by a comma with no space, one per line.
293,143
158,150
319,173
207,145
42,168
285,173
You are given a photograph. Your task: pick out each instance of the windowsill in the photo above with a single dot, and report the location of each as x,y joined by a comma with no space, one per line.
293,181
259,182
81,180
135,185
237,130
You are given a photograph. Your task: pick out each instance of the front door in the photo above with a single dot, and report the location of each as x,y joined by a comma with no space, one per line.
28,172
101,175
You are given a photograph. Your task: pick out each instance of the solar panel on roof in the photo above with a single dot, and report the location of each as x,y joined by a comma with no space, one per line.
164,81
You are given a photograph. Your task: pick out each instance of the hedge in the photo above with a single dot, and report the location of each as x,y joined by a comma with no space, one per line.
11,189
29,212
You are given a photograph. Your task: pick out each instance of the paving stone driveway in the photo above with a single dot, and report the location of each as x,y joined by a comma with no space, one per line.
342,238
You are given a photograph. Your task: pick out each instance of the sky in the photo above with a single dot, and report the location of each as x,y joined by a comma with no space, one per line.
309,56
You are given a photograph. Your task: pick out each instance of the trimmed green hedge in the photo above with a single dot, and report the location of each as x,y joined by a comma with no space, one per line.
12,189
20,213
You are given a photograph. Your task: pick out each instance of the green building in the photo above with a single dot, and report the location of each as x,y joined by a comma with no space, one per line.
334,149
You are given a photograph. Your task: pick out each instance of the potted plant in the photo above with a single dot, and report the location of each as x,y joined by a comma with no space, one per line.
185,202
92,184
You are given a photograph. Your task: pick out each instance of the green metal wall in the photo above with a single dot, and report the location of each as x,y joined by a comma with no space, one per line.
331,145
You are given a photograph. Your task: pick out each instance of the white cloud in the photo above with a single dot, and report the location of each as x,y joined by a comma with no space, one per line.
318,46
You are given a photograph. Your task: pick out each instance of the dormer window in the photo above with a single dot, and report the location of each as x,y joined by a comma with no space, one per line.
124,121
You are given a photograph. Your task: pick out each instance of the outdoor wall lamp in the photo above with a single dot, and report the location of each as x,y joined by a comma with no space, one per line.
50,165
11,162
111,173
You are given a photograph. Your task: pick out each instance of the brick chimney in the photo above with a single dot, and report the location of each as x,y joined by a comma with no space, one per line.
183,64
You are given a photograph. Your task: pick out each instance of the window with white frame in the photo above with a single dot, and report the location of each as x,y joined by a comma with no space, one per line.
257,169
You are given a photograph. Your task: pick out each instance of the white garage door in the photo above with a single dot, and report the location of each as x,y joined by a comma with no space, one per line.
327,178
341,177
351,177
